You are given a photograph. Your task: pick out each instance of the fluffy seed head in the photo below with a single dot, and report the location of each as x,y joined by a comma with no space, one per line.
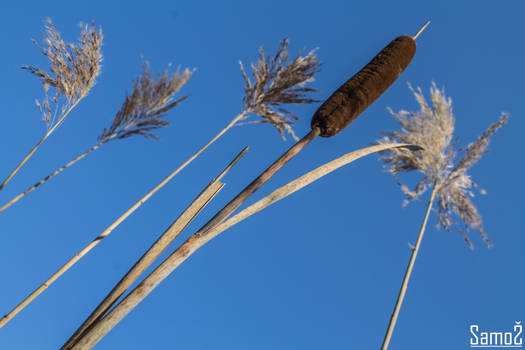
73,67
432,128
152,97
277,83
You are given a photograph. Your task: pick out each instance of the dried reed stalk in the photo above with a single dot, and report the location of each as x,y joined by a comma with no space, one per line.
153,252
432,128
140,114
73,71
408,273
102,326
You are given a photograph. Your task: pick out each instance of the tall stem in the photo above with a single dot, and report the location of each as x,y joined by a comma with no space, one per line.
408,273
39,143
111,227
50,176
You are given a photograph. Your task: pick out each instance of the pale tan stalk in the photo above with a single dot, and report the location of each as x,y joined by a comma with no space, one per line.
155,250
408,273
48,133
50,176
100,328
303,181
111,227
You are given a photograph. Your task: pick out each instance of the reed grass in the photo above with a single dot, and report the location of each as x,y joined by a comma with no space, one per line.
140,114
277,84
73,72
432,128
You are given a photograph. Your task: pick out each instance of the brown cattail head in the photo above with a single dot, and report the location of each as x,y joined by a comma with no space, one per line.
361,90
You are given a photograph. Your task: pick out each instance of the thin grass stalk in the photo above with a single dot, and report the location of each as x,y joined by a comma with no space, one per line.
100,328
50,176
48,133
408,273
154,251
111,227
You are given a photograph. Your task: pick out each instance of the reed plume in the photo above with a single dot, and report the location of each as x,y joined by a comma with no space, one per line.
277,83
72,74
141,114
432,128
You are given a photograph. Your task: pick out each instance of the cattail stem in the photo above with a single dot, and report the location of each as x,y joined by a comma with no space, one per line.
408,273
421,30
259,181
111,227
154,251
103,325
50,176
48,133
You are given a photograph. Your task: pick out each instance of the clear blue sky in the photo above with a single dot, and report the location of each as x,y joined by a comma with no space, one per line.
318,270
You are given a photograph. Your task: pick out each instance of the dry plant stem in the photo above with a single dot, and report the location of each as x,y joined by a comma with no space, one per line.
50,176
408,273
154,251
421,30
259,181
100,328
111,227
50,131
301,182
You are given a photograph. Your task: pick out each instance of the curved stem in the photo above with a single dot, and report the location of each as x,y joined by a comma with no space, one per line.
408,273
50,176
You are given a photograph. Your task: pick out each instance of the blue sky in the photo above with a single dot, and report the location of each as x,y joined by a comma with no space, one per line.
320,269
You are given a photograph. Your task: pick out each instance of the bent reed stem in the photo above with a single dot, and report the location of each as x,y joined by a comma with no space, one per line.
111,227
408,273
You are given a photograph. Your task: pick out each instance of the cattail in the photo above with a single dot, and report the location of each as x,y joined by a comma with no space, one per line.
337,112
361,90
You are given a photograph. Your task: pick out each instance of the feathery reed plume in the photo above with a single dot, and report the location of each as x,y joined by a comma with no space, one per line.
432,128
118,130
149,101
72,74
140,114
277,83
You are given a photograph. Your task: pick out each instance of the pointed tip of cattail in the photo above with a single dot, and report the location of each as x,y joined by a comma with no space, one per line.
421,30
